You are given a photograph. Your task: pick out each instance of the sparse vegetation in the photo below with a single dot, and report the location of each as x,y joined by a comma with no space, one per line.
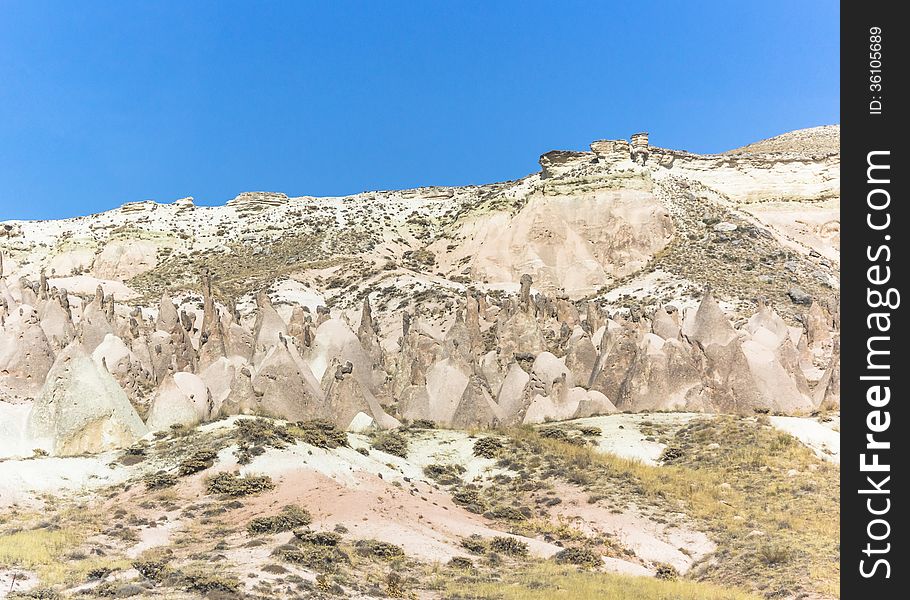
255,435
327,559
152,568
729,475
549,581
471,499
318,538
232,484
378,549
509,545
391,442
475,544
584,557
203,581
666,572
507,513
290,517
444,474
322,434
487,447
199,461
159,480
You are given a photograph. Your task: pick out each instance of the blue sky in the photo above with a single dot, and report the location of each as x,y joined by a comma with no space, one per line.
103,103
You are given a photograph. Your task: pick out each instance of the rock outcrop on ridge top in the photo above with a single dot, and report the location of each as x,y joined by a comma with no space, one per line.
627,278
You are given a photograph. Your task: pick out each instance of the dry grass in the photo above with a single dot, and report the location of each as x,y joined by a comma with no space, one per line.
547,581
49,551
759,491
37,547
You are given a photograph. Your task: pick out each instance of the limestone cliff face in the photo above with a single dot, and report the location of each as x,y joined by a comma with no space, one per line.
625,277
570,241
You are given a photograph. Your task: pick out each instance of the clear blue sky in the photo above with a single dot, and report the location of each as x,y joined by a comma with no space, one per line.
103,103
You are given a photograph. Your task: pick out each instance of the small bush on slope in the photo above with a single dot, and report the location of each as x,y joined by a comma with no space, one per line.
290,517
391,442
235,486
319,433
199,461
378,549
509,545
254,435
159,480
487,447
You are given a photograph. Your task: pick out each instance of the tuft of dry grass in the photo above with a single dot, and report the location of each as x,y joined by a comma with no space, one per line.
549,581
48,550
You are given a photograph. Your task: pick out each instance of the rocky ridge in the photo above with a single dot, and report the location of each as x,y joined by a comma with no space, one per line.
626,278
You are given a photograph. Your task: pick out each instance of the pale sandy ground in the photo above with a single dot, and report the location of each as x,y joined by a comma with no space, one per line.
822,438
621,434
24,581
12,430
652,542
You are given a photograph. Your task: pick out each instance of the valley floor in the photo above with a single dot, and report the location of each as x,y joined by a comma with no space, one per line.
649,506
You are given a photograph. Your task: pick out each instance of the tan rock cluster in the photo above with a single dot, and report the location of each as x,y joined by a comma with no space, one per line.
105,375
549,297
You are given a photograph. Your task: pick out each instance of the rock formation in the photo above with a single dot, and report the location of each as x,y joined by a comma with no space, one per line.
629,277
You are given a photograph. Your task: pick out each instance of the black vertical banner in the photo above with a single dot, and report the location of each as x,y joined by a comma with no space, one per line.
875,425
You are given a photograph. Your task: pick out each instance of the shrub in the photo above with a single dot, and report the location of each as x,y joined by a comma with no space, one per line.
487,447
257,434
772,554
205,583
444,474
666,572
671,454
423,424
152,569
470,499
159,480
41,593
509,545
392,443
378,549
589,430
461,562
136,450
99,573
321,558
199,461
322,434
474,544
554,433
584,557
317,538
508,513
290,517
236,486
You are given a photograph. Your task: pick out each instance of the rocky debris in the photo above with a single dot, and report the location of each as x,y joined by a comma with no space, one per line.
257,201
798,296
